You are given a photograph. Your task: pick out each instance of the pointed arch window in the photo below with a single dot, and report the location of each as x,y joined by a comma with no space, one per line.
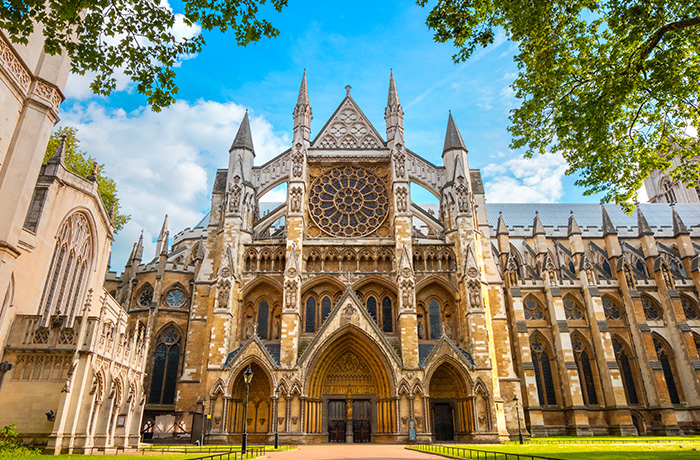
652,310
65,283
263,317
533,309
165,366
543,373
667,365
607,269
434,319
611,308
641,268
310,315
573,310
372,307
325,308
585,371
387,315
668,192
623,362
690,308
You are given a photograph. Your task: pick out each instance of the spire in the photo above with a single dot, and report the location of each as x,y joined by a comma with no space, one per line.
244,139
537,228
453,140
303,98
679,227
573,226
302,113
139,248
393,100
608,227
501,228
162,245
59,154
642,225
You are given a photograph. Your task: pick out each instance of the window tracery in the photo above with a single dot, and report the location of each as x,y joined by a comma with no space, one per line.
690,308
145,297
533,310
543,373
573,310
349,202
585,371
623,362
667,365
175,298
652,311
611,309
165,367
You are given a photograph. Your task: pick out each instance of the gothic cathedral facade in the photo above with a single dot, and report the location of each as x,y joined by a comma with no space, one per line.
363,314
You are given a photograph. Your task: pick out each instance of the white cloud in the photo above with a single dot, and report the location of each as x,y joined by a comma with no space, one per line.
522,180
164,163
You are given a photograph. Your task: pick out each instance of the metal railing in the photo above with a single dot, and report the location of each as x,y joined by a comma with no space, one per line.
610,441
476,454
252,452
213,452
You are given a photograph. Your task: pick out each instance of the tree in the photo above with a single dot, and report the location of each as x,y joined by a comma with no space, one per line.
136,36
82,164
609,84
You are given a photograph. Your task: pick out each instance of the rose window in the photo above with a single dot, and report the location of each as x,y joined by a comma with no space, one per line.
146,297
175,298
349,201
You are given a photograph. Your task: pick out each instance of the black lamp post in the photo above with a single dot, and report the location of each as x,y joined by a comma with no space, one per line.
517,410
201,436
247,377
277,413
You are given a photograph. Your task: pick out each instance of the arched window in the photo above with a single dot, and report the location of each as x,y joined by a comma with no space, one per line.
623,362
325,308
387,315
665,357
573,310
434,318
668,192
533,309
263,315
543,373
585,372
607,269
165,365
66,281
690,308
652,310
611,308
310,315
641,267
372,307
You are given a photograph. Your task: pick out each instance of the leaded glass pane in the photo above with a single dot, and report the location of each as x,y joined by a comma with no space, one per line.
434,317
310,315
387,315
263,314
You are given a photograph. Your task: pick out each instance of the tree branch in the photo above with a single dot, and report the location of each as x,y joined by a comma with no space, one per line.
654,40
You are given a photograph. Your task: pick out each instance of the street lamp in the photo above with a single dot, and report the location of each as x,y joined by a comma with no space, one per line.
277,413
517,411
247,377
201,436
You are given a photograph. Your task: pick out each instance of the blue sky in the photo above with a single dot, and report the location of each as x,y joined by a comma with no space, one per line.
165,162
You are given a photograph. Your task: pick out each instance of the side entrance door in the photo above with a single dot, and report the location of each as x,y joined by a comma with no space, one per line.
444,426
361,420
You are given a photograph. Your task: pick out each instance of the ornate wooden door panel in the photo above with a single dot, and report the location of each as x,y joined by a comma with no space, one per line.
361,420
443,422
336,420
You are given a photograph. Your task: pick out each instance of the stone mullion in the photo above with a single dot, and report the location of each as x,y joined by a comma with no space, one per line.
288,413
568,370
608,369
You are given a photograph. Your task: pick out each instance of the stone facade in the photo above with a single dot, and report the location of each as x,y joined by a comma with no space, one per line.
362,313
661,188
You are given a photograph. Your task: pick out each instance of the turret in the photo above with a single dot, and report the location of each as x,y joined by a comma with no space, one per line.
242,152
302,114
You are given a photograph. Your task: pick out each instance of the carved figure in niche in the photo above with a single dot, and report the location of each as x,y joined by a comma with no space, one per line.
250,328
234,194
474,294
290,294
462,196
297,161
629,277
407,294
399,161
401,200
589,275
447,325
295,200
667,277
421,330
224,289
276,329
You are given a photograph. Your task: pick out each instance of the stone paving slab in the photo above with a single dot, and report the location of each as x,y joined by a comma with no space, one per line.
350,452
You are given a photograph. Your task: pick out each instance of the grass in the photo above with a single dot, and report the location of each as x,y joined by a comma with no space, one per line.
100,457
636,448
177,452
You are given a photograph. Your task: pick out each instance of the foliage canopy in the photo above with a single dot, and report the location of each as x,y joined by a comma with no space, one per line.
609,84
134,36
82,164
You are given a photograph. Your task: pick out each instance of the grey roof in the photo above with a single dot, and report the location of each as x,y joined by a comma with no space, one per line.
204,222
589,214
453,140
244,138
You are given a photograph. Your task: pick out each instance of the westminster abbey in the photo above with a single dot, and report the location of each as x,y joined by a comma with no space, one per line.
365,316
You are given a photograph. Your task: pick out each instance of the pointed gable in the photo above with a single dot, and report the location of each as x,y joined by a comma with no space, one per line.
348,128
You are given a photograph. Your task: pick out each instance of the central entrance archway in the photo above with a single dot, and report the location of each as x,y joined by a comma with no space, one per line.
350,390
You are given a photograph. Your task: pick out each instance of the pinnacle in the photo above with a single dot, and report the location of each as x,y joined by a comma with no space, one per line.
453,140
303,98
642,224
393,100
573,226
608,227
59,154
679,227
243,139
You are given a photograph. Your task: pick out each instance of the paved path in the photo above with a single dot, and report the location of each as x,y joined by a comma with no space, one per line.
350,452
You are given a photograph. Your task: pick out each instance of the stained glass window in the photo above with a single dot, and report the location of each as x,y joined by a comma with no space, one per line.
434,318
533,310
572,309
165,366
175,298
310,315
690,308
611,309
652,311
263,315
325,308
372,307
668,371
387,315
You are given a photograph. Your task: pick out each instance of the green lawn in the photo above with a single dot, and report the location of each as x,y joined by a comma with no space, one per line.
681,449
100,457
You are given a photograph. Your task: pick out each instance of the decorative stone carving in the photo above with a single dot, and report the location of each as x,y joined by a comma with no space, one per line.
474,287
349,130
421,330
234,190
407,294
297,161
399,162
462,195
668,279
401,199
295,199
290,294
224,289
629,277
13,66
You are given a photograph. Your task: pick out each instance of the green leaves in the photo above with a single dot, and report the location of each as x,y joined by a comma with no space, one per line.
611,85
131,36
82,164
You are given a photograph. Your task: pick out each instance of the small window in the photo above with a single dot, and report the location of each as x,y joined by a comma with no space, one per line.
146,297
175,298
573,309
310,315
387,315
263,315
652,311
434,318
325,308
372,307
611,309
690,308
533,310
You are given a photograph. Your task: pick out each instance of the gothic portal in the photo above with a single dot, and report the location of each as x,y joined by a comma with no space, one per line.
362,313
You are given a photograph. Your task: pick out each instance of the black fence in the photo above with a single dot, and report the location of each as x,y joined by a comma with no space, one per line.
476,454
252,452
